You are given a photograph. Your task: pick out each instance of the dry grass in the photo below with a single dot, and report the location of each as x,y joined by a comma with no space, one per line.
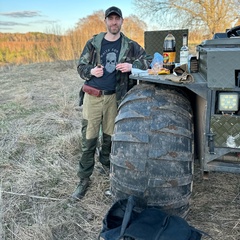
40,138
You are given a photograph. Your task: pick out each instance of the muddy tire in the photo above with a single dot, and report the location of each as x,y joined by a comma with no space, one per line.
152,149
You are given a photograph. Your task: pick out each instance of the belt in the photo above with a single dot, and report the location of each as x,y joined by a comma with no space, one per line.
96,92
107,92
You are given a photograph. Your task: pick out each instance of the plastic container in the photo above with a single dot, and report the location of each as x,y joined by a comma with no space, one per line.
169,52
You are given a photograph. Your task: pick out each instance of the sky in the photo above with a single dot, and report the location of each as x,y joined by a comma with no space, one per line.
22,16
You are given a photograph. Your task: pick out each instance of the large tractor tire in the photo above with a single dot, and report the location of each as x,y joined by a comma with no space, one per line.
152,149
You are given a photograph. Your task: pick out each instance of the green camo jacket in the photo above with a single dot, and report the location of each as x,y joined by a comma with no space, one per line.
131,52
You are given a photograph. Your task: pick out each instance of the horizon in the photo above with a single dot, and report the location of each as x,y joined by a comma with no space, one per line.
29,16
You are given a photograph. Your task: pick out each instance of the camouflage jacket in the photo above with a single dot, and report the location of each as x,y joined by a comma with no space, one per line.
131,52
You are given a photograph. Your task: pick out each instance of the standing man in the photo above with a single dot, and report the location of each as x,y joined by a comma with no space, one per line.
105,64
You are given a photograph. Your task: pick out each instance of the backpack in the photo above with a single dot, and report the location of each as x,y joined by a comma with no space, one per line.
123,222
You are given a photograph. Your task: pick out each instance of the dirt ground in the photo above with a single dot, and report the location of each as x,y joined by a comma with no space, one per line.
40,144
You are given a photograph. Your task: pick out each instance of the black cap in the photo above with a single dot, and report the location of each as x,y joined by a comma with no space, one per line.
113,10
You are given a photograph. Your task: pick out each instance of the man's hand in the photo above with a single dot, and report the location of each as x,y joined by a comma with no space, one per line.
97,71
124,67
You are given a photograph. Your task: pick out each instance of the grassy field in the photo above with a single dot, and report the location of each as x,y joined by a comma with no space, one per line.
40,144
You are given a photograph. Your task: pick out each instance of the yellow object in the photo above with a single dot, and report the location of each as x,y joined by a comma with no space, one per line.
161,71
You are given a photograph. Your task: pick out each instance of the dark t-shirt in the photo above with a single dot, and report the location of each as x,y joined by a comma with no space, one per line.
109,59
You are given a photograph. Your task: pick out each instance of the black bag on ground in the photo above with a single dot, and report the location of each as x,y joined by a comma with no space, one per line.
123,222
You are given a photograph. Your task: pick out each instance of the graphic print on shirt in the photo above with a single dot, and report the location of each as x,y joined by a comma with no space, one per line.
109,55
111,61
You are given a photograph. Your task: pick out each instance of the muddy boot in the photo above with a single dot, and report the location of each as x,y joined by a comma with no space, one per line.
81,188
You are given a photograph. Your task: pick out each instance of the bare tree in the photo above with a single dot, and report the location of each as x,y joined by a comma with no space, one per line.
209,16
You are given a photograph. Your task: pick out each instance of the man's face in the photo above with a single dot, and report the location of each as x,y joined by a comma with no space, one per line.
114,23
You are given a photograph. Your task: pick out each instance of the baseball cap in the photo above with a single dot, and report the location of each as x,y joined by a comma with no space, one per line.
112,10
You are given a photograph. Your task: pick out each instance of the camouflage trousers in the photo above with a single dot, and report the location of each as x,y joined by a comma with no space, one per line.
98,113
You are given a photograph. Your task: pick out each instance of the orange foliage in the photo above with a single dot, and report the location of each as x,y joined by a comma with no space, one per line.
19,48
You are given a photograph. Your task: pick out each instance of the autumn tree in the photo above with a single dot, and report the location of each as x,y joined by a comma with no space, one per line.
209,16
37,47
86,27
134,28
91,25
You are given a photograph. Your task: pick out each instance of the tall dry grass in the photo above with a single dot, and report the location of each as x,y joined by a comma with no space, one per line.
40,145
39,151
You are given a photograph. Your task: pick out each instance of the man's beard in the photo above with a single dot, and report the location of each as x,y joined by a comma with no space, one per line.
115,31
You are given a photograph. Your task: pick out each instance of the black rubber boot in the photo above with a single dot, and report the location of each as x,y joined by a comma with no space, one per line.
81,188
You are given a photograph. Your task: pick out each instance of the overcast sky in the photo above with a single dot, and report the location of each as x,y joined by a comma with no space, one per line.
43,15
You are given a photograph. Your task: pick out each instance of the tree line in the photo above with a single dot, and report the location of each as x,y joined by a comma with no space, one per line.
17,48
202,18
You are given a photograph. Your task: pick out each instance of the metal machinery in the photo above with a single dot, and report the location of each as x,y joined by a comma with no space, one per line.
215,95
162,126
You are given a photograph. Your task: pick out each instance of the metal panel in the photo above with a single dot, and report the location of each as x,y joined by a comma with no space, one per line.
226,130
219,61
222,64
153,41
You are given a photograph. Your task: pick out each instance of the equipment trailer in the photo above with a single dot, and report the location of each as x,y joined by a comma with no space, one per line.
162,126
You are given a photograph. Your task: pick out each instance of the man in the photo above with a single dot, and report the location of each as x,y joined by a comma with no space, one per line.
105,64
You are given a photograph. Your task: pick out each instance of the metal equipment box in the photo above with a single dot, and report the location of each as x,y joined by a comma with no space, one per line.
219,62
